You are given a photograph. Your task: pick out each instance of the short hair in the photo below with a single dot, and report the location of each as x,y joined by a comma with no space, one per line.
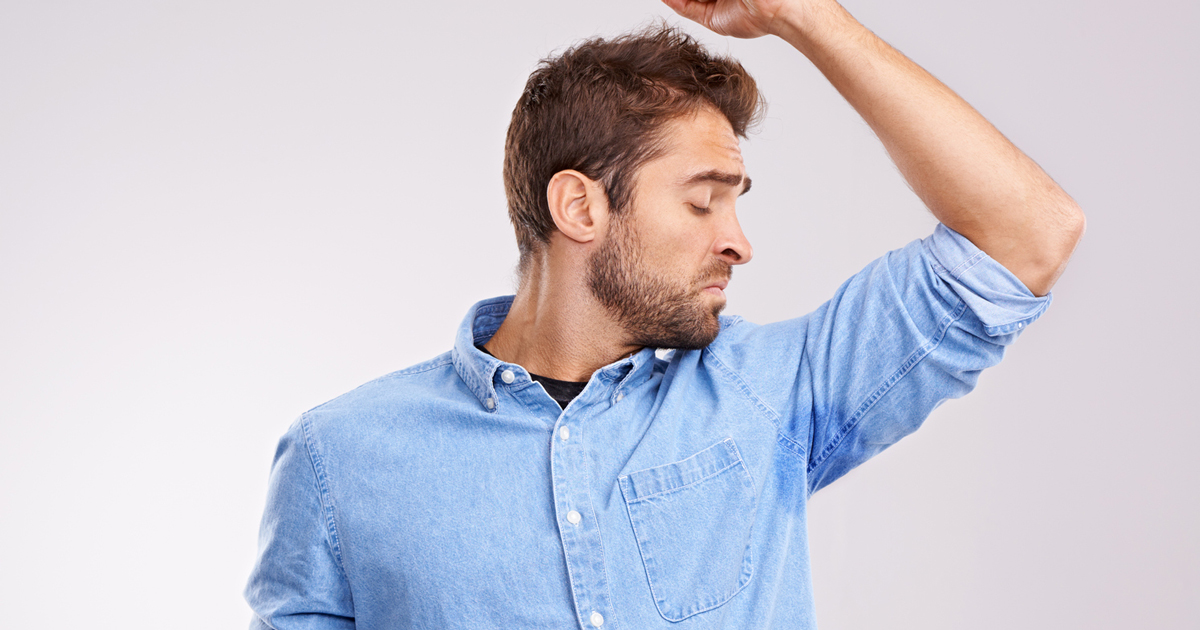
600,107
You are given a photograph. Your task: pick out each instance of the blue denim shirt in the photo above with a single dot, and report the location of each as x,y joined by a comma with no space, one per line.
671,493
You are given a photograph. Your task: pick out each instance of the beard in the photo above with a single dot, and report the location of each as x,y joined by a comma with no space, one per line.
656,311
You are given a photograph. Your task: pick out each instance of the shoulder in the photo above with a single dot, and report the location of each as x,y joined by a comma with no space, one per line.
742,342
387,399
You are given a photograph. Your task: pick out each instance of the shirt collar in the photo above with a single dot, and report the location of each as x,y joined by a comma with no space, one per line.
478,369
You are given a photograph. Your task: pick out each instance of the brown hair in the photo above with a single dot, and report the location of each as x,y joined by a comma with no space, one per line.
599,108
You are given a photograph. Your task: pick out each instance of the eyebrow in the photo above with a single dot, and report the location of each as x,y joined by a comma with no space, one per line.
720,177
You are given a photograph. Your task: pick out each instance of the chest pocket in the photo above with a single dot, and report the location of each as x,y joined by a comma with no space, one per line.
692,521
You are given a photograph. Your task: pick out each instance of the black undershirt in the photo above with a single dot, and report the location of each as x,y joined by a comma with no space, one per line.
563,392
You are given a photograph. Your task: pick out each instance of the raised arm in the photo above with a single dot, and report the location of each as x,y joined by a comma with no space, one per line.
968,174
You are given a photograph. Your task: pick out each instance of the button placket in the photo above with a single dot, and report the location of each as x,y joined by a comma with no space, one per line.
578,528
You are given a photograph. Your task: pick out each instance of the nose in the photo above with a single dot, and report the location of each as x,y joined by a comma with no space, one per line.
731,244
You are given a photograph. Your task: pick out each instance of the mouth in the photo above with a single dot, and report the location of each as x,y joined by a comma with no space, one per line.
716,287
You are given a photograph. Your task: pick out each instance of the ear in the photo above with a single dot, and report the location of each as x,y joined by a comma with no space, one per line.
578,205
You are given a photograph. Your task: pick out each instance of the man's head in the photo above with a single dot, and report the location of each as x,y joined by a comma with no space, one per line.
600,108
651,121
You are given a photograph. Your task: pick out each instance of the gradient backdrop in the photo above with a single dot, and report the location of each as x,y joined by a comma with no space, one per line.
216,215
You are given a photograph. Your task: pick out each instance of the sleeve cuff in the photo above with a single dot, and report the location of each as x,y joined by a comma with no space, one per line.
1003,304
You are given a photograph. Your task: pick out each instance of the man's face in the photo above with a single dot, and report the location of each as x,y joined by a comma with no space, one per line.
664,264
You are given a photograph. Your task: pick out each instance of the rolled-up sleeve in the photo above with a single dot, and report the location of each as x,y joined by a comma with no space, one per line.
996,298
912,329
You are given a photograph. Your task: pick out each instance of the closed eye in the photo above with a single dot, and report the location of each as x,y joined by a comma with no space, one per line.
698,209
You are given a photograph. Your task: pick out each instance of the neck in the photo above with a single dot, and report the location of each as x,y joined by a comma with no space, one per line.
557,329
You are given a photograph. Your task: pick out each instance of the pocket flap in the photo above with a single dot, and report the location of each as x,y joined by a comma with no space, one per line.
652,481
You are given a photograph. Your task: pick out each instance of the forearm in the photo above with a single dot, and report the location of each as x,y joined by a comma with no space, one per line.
968,174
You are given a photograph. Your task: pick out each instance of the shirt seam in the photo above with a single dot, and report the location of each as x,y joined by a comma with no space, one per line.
961,267
1020,318
611,609
914,358
327,505
792,446
795,447
417,369
1000,328
488,310
746,390
513,390
562,538
966,265
431,364
689,484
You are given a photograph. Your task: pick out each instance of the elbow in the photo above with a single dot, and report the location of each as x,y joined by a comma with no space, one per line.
1073,225
1076,224
1066,232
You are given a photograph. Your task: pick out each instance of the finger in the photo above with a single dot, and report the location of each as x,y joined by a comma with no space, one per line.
694,10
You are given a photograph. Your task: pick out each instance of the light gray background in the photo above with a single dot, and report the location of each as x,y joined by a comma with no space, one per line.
216,215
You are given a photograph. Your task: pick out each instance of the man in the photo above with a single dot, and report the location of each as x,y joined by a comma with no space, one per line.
553,469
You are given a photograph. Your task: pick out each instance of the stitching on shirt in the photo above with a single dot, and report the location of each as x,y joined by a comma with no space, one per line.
738,453
905,368
689,484
518,393
562,538
326,500
431,364
488,310
1009,326
600,538
966,265
659,599
638,538
937,266
958,270
744,387
792,446
994,329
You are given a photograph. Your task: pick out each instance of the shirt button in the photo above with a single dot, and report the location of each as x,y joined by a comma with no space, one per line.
490,402
620,397
564,433
597,619
507,376
573,517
